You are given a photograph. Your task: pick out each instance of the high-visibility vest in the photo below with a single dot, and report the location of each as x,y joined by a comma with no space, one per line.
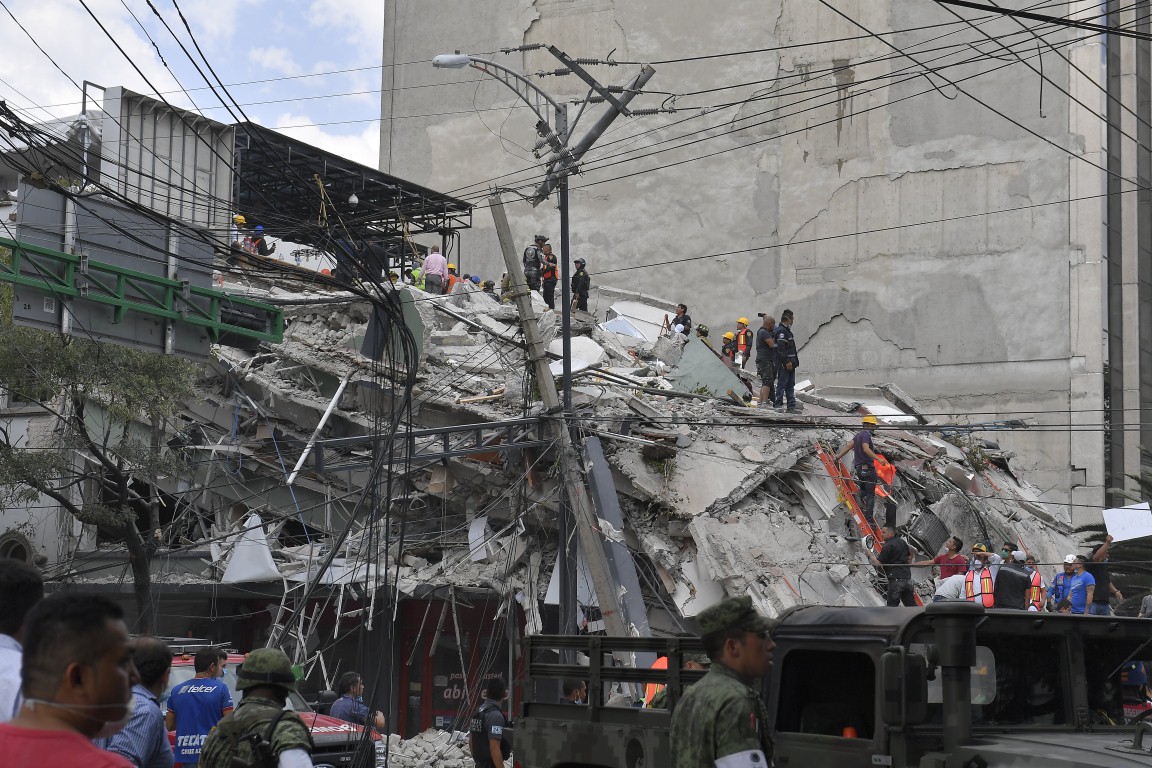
886,473
651,689
987,599
450,282
1036,592
549,272
743,341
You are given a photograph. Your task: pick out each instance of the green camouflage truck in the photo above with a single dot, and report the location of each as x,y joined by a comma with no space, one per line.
950,685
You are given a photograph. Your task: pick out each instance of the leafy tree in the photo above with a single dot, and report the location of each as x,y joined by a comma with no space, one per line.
108,403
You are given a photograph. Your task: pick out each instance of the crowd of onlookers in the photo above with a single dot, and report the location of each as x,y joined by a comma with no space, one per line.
77,691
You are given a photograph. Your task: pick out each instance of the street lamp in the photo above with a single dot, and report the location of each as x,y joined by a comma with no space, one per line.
555,135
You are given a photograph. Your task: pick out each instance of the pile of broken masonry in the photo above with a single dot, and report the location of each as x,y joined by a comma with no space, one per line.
717,498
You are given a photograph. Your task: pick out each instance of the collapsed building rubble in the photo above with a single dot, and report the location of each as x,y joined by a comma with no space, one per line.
714,497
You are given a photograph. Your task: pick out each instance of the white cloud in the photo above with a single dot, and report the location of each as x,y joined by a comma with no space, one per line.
362,21
362,147
279,60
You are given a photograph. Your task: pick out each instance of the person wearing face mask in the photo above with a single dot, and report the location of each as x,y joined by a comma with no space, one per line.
350,706
144,741
979,582
78,676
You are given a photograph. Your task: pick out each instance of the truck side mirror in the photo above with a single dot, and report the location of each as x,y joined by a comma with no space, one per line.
903,688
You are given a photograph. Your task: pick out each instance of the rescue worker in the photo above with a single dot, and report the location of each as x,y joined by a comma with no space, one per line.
743,343
489,287
581,283
238,224
486,738
533,260
693,661
894,562
864,464
728,348
435,271
1061,585
453,278
260,731
979,586
787,362
766,359
701,331
549,275
681,322
721,720
885,476
260,244
1013,583
1036,600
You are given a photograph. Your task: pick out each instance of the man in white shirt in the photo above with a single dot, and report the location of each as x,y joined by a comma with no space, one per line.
21,587
951,588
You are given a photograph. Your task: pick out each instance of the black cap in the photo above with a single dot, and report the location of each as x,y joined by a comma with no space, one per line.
542,237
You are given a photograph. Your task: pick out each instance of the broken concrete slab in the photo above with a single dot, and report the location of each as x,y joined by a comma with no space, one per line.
700,370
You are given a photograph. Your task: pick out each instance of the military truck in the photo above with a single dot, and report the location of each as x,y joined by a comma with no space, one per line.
950,685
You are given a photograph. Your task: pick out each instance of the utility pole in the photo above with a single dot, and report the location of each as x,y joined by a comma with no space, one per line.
578,508
562,161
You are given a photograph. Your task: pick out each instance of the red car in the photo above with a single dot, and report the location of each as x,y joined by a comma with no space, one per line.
335,741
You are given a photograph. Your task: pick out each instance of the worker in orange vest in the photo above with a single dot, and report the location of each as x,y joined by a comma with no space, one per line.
743,342
885,475
978,584
651,689
1037,601
453,278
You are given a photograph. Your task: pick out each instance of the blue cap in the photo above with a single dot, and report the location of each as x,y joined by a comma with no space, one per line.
259,227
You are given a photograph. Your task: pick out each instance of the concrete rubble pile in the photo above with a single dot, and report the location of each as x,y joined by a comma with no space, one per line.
718,498
444,749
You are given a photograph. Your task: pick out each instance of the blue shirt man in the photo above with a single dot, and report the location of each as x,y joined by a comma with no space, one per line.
144,741
350,706
1082,589
196,706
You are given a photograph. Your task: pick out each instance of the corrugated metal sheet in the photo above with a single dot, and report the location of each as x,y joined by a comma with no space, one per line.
175,162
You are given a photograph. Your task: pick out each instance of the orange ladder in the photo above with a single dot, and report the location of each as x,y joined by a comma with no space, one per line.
848,490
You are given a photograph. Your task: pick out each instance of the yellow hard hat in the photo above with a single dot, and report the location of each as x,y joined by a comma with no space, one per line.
870,419
729,335
743,320
239,219
451,266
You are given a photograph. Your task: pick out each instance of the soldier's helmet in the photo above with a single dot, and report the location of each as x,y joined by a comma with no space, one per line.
266,666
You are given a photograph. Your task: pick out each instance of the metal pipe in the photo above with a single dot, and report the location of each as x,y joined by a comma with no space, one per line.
316,434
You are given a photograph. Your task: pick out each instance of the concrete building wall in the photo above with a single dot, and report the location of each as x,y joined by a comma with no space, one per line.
905,195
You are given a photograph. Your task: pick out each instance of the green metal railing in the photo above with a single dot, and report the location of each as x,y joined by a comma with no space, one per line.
126,290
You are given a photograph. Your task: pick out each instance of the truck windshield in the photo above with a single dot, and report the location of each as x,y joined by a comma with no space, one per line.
1015,682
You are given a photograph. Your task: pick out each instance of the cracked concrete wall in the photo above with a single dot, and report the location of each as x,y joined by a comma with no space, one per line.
979,316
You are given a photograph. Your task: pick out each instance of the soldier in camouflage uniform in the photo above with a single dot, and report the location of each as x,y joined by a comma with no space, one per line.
721,722
260,732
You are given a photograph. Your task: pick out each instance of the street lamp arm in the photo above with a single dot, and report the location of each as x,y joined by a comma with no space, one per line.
521,85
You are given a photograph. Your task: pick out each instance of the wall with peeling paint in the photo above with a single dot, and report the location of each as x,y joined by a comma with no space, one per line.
984,316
